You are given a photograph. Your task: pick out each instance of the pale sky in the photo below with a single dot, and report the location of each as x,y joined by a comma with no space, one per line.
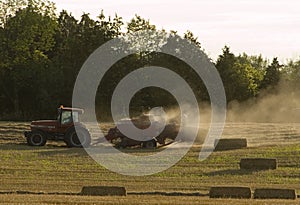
267,27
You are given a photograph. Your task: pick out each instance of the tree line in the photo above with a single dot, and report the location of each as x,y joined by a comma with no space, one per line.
41,54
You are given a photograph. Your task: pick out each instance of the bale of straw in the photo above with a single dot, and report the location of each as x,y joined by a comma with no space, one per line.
103,191
230,192
230,144
29,192
258,163
275,194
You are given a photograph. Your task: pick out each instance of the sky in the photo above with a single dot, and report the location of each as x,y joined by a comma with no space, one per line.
267,27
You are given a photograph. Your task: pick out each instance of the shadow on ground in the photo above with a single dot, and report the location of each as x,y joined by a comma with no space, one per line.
230,172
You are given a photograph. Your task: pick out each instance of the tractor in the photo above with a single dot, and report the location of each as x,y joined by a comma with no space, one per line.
66,127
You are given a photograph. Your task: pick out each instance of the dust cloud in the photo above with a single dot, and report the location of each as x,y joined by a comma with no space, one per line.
280,105
174,115
277,105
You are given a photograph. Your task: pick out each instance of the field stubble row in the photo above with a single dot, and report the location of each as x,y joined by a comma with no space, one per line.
55,168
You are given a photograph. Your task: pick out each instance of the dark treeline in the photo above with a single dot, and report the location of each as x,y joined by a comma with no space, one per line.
41,54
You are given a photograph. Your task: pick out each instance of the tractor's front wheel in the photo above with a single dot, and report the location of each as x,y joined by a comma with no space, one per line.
36,138
78,137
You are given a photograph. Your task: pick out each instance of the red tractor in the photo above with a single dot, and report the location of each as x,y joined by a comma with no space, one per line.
61,129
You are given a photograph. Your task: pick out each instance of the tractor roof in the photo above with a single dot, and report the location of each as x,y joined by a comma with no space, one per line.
71,109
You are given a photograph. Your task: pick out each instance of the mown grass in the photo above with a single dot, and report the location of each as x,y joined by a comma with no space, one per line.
55,168
133,199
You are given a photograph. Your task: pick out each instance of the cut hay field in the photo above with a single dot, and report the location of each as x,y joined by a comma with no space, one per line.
58,173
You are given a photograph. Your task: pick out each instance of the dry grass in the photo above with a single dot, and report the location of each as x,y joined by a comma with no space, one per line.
55,168
132,199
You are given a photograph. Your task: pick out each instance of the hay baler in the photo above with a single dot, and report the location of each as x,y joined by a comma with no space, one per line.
116,137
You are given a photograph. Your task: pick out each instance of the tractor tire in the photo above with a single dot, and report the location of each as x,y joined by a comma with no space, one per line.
36,138
149,144
78,138
123,144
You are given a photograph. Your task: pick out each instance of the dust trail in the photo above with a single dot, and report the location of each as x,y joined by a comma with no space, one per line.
281,105
174,115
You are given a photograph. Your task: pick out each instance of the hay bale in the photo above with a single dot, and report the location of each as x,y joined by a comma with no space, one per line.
230,144
230,192
258,163
275,194
29,192
103,191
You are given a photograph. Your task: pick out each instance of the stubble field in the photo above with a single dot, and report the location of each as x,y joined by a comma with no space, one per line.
55,174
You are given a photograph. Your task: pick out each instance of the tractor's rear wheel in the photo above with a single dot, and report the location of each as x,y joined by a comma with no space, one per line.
78,137
149,144
36,138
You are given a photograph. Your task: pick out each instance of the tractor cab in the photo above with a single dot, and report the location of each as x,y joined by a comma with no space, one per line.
68,115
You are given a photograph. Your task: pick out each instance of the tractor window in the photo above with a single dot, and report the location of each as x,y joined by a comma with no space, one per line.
66,117
75,116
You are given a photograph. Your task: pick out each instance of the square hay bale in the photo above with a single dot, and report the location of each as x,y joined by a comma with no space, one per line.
103,191
230,144
258,163
275,194
230,192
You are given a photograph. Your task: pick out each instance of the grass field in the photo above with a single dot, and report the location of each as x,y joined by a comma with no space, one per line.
55,169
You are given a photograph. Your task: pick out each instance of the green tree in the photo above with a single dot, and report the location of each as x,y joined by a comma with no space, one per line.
27,38
247,80
111,28
240,78
191,37
225,65
76,40
254,67
258,62
8,8
272,75
290,74
138,23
